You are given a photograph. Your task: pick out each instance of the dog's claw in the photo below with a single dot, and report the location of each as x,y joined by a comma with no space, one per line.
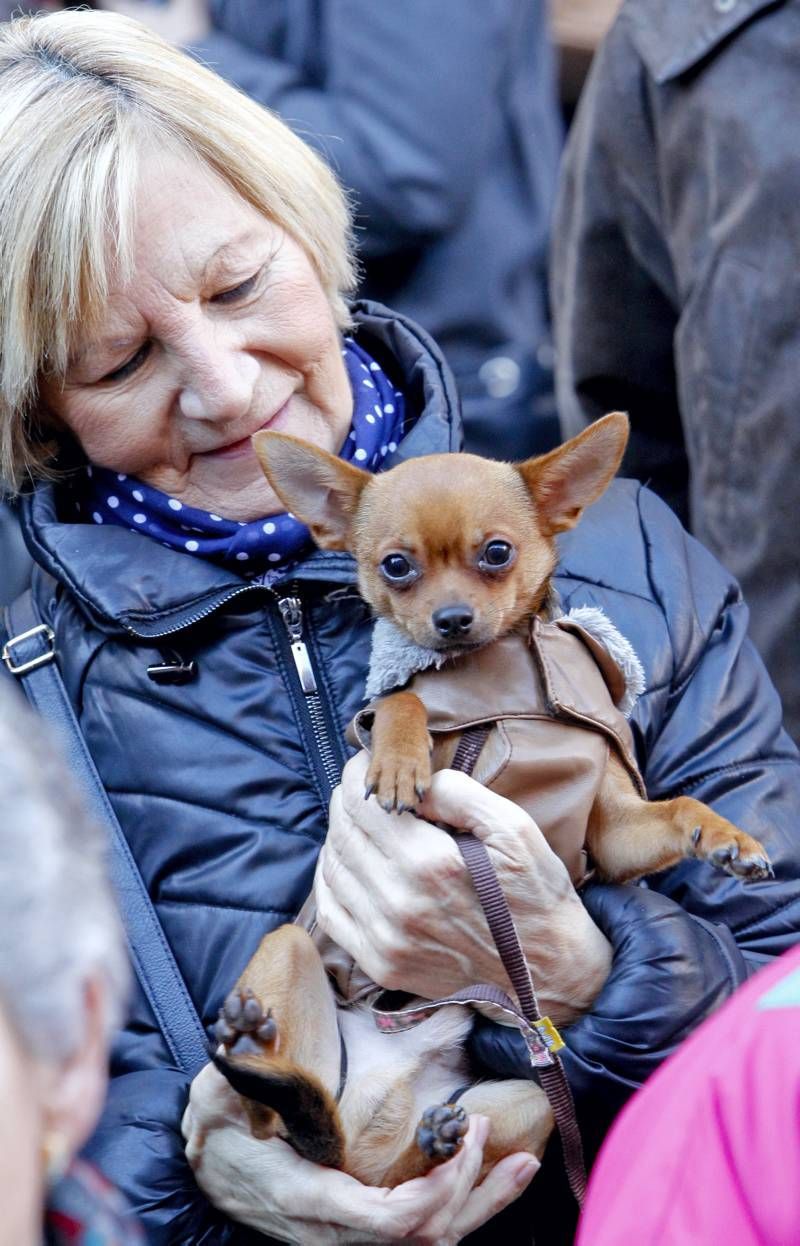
369,789
399,783
755,869
727,848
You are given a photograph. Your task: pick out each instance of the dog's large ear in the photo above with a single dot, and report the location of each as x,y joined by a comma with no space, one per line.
565,481
320,489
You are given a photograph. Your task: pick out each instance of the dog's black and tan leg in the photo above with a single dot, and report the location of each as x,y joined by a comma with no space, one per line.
275,1027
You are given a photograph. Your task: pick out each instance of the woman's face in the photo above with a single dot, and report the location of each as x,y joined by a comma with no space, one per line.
222,329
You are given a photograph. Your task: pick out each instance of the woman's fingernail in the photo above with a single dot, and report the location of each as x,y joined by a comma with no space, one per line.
482,1124
526,1169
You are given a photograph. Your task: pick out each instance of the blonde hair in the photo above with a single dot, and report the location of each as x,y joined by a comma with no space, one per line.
79,94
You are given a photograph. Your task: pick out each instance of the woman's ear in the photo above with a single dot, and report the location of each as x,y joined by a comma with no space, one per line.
73,1090
319,488
568,479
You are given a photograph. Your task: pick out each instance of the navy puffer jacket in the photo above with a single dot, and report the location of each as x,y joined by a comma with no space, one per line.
222,784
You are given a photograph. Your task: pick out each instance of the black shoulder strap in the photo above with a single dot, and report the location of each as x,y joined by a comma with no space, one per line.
30,655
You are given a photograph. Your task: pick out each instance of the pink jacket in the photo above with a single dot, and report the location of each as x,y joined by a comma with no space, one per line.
708,1152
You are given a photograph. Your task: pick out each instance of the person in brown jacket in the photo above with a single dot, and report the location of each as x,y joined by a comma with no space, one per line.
676,288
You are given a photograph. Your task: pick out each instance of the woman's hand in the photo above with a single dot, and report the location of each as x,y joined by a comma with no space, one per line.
269,1187
178,21
393,891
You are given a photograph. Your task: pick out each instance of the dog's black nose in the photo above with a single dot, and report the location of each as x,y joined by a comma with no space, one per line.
453,621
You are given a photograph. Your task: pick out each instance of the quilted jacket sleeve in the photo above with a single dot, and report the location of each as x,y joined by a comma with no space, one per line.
710,728
715,733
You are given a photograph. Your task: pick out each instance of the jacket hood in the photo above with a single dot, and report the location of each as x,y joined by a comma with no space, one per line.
159,591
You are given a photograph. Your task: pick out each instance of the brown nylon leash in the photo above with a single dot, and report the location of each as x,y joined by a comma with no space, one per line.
552,1077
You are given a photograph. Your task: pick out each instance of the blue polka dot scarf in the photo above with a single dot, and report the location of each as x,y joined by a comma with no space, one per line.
263,545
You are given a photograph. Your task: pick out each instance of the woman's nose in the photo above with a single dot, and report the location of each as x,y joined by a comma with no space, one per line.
219,381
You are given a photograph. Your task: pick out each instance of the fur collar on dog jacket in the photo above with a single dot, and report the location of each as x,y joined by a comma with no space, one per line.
395,658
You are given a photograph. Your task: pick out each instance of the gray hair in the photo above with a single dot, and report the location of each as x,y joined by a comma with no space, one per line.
59,925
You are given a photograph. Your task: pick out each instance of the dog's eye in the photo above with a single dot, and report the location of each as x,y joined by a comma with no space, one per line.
398,569
496,554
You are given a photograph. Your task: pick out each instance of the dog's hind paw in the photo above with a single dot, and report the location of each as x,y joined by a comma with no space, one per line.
244,1025
441,1131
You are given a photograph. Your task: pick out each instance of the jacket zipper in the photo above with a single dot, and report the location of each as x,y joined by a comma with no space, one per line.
291,610
195,618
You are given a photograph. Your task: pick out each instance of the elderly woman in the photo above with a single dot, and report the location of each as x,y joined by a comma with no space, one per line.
173,272
63,980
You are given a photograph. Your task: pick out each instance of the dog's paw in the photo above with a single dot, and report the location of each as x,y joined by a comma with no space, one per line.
399,786
722,845
244,1025
441,1131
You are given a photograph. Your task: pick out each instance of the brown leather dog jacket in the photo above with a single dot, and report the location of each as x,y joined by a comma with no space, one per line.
552,698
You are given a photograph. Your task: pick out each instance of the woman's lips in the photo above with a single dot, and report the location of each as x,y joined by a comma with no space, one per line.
240,449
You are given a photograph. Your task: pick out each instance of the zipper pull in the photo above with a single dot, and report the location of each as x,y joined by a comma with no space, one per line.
292,614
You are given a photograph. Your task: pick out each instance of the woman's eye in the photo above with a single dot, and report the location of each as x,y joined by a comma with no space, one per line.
398,568
132,365
496,554
237,292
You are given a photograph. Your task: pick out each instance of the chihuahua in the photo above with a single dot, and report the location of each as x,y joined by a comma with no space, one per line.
457,552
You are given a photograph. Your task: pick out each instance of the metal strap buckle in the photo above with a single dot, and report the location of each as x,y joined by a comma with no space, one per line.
41,658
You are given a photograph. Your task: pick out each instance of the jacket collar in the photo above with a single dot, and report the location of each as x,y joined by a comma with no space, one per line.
126,580
673,37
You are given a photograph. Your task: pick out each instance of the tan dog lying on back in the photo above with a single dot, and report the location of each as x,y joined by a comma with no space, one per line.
458,553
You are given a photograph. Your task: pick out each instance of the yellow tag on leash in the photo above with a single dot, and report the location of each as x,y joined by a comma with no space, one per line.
549,1034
